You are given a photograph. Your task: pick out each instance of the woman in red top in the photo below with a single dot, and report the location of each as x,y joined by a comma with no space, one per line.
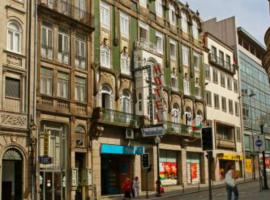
126,187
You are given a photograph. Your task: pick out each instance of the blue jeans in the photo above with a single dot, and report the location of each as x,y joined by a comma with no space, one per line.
231,190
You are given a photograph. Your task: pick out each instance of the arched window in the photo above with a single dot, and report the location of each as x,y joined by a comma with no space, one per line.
188,116
105,56
184,22
175,113
106,93
195,30
126,101
14,35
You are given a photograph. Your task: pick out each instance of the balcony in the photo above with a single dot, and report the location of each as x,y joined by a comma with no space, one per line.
225,143
67,10
147,46
116,118
181,130
220,62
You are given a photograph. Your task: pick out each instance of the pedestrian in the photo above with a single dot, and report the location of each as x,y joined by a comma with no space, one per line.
136,186
231,187
127,187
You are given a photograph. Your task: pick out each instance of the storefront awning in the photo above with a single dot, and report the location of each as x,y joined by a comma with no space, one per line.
125,150
229,156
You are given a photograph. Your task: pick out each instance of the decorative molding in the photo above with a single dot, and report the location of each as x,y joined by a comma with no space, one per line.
13,120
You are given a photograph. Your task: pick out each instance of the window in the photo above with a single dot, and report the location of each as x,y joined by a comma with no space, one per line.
229,83
216,101
47,42
124,25
143,3
106,93
222,80
208,98
184,23
238,134
63,47
143,31
126,102
174,82
221,58
80,57
172,15
105,15
175,113
228,62
13,88
213,54
188,116
235,86
159,42
14,36
46,81
236,109
196,60
185,55
230,106
197,91
159,8
247,141
207,72
186,85
80,89
105,56
224,104
195,30
215,76
62,85
172,49
81,8
125,63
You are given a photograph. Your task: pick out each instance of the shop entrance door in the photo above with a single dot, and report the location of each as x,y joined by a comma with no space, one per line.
12,175
114,170
52,186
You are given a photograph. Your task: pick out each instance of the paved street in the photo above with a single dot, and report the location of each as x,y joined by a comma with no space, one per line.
248,191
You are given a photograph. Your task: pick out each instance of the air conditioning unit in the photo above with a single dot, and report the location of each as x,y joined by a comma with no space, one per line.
129,133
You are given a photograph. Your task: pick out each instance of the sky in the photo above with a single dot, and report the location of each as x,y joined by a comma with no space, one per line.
252,15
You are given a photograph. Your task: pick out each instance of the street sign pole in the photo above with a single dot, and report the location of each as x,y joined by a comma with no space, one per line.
210,155
264,164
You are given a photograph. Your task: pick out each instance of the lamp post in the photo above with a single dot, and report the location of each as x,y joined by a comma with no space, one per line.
264,164
251,128
157,141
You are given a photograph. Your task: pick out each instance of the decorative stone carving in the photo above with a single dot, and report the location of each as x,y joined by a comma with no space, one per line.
13,60
13,120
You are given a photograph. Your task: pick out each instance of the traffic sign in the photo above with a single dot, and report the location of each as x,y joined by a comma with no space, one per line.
259,143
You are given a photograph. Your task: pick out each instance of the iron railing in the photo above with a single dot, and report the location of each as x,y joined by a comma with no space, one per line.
68,9
181,130
221,62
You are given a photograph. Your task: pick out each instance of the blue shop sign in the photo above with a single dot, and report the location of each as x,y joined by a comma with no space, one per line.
125,150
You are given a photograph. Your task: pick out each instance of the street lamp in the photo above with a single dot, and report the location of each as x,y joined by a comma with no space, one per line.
157,141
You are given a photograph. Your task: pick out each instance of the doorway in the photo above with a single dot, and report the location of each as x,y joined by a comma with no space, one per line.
12,175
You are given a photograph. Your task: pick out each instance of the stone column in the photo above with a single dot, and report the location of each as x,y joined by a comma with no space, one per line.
96,167
137,169
184,167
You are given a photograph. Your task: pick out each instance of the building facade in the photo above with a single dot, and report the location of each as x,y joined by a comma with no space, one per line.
64,104
148,72
254,86
16,100
223,105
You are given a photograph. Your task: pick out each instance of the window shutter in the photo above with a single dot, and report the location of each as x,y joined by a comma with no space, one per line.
12,87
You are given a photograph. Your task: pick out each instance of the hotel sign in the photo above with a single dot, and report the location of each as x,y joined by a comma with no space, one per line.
158,91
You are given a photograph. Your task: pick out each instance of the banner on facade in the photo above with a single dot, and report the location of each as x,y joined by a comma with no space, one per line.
248,165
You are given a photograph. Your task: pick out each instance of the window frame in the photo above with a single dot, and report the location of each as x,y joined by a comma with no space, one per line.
17,31
19,89
124,29
105,23
80,87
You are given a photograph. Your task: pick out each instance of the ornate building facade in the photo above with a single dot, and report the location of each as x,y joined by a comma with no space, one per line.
147,55
64,103
16,100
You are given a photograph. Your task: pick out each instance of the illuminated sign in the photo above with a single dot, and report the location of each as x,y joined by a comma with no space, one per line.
158,92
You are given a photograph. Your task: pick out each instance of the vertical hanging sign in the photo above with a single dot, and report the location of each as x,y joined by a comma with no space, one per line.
158,91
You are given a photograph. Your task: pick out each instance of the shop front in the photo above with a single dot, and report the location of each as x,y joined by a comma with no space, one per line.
169,168
193,168
117,163
224,159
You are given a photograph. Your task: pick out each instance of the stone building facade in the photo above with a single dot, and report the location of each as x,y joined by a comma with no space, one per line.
64,103
133,40
17,139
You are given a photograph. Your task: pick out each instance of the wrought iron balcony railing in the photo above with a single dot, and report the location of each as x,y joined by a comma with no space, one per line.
221,62
181,130
68,9
117,118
